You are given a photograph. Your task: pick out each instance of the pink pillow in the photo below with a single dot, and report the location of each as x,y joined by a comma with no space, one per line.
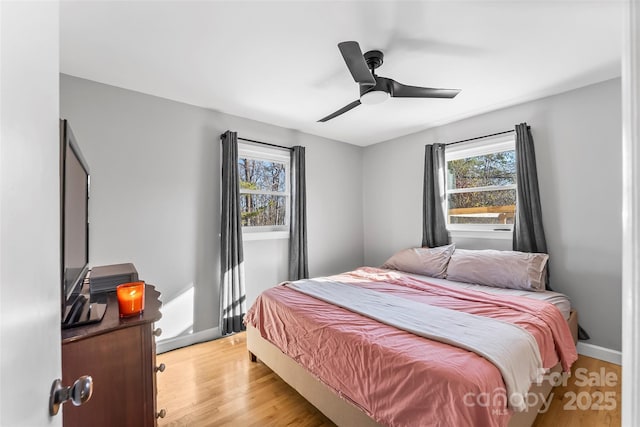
500,269
426,261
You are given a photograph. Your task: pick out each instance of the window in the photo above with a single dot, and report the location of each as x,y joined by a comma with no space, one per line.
264,190
481,185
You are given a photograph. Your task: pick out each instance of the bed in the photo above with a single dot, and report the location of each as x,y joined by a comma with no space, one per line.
360,371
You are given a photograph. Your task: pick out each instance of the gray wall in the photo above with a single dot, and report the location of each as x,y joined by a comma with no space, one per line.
155,193
578,148
155,167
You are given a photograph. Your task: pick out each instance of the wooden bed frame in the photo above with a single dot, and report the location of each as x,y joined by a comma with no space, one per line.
343,412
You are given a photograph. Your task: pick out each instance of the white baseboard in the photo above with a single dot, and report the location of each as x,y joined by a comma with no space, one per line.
602,353
169,344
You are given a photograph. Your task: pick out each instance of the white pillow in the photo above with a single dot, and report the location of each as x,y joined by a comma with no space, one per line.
426,261
501,269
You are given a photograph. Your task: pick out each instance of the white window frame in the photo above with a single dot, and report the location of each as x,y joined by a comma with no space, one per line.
471,149
259,152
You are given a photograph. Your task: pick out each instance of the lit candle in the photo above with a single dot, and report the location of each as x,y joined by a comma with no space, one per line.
130,298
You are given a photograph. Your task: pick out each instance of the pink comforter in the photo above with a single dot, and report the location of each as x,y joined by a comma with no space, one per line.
398,378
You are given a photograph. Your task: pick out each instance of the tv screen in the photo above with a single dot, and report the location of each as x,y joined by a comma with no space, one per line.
74,190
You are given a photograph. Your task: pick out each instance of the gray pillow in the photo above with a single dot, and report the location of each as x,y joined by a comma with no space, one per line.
501,269
426,261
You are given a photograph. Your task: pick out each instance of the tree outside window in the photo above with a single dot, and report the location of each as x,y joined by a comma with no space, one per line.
481,185
264,192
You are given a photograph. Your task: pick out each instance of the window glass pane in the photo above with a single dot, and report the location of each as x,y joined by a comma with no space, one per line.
482,171
482,207
263,210
263,175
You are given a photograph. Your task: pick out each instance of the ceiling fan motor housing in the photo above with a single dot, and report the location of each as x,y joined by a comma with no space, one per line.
374,59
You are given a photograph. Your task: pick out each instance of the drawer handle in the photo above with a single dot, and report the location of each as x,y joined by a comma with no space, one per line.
160,368
157,332
161,414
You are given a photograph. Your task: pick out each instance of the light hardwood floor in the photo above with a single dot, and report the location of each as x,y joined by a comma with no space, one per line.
215,384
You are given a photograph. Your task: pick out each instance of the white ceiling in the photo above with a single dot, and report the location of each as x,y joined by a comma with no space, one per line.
278,62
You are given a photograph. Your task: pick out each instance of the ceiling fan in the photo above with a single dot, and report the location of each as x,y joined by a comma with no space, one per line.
373,88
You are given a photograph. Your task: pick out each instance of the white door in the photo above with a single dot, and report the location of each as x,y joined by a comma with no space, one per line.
29,212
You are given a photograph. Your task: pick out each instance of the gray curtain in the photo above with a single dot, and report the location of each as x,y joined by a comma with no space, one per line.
434,226
298,260
233,305
528,231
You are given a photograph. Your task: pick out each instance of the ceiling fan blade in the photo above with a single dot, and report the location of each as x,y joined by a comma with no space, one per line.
356,64
343,110
399,90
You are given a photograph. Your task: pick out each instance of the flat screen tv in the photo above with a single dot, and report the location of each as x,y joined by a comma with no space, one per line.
74,216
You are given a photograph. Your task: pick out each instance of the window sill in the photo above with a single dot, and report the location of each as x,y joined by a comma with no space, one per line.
264,235
481,234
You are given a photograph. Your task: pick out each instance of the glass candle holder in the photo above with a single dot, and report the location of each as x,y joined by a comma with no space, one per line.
130,298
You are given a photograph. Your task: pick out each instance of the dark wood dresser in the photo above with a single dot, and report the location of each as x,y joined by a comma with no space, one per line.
120,356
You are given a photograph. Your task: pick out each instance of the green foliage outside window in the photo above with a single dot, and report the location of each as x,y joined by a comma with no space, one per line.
262,192
485,176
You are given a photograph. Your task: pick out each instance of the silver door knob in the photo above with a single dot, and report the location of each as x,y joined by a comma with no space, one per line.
161,414
78,393
160,368
157,332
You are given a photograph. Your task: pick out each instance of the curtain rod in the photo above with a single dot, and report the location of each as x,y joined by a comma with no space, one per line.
480,137
262,143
